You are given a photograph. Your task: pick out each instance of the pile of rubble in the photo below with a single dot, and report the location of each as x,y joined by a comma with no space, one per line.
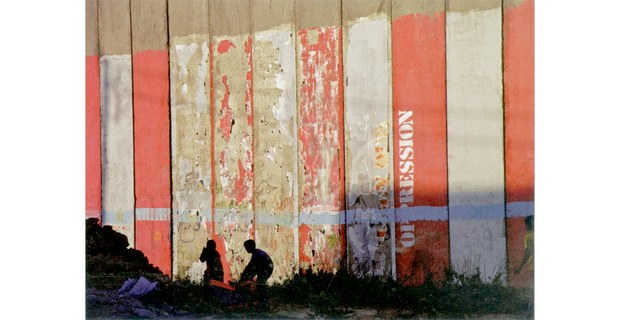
107,253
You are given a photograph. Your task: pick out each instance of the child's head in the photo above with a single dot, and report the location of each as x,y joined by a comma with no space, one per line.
211,245
249,245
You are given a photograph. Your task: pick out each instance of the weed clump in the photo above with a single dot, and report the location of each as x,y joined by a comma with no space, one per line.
456,295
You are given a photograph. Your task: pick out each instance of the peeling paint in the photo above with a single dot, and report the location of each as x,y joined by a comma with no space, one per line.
191,152
233,148
320,148
274,101
367,134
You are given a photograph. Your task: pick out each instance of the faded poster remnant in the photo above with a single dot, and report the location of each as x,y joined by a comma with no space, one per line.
370,213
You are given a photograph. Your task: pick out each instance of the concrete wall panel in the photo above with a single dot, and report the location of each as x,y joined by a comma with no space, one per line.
232,123
149,32
475,137
93,115
275,134
518,34
368,123
420,142
191,136
321,144
117,171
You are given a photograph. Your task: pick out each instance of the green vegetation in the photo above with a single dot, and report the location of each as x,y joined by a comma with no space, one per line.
455,296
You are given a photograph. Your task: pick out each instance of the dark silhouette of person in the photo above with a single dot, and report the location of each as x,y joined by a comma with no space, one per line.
260,265
214,264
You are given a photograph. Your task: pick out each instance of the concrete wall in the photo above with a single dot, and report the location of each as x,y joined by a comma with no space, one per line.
392,138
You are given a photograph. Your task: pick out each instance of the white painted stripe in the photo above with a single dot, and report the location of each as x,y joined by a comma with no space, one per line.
152,214
190,216
124,218
519,209
478,244
272,219
322,218
233,216
421,213
367,143
362,216
475,141
367,107
477,212
117,189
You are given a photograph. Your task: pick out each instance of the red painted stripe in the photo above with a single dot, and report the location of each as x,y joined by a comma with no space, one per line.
212,109
153,239
152,152
420,142
518,32
430,254
151,127
93,139
519,101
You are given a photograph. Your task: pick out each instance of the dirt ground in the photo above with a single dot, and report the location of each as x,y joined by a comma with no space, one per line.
108,304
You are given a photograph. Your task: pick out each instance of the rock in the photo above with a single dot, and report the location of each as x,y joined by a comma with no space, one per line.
144,313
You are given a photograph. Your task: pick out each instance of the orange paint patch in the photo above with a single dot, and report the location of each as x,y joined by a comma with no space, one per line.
153,239
224,46
519,101
93,139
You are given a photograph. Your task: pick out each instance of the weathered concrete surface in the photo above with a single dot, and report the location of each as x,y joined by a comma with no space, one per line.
275,135
191,150
93,115
370,214
117,189
191,136
232,120
420,157
475,138
518,32
321,143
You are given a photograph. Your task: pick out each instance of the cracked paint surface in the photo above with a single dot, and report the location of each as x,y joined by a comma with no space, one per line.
191,153
233,149
275,142
320,146
370,226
